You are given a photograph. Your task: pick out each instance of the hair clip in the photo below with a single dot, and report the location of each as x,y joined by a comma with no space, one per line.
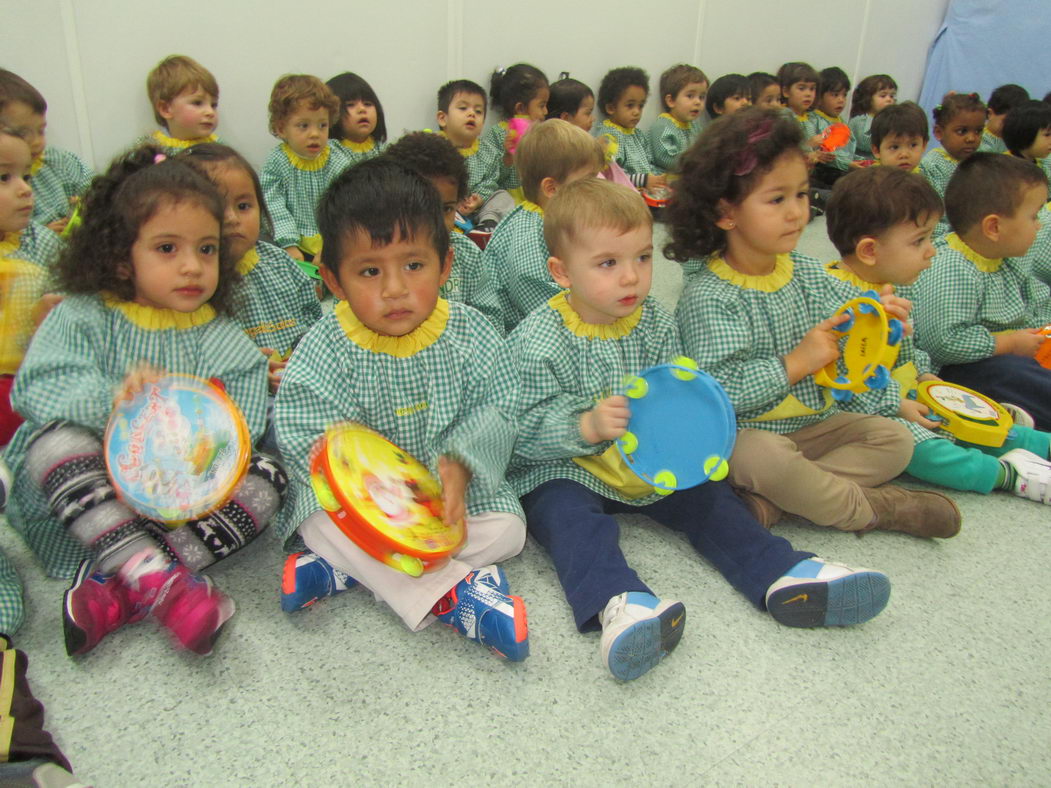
159,158
746,159
563,75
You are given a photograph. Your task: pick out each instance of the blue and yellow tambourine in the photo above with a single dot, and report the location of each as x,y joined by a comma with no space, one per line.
869,352
177,449
682,427
967,414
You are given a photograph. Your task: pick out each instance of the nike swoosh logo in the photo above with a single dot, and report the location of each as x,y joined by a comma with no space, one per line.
675,621
798,598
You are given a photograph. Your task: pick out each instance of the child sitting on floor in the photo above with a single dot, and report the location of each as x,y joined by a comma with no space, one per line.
621,98
185,100
871,96
1001,101
730,93
362,127
683,90
958,124
1027,133
899,136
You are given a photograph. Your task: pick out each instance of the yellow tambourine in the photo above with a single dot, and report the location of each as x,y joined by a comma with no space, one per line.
970,416
869,352
383,499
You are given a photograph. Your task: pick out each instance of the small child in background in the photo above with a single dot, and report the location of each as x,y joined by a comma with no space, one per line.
765,90
279,302
832,88
1027,133
958,124
470,281
799,91
621,98
728,94
754,315
979,307
462,107
683,91
185,100
362,127
899,136
149,286
1001,101
571,100
393,346
553,154
573,352
881,223
520,91
59,178
298,171
871,96
27,253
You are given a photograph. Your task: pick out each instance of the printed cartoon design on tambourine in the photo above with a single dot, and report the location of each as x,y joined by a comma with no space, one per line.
967,414
177,450
383,499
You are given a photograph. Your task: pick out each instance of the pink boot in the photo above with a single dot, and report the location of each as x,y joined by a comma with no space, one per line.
94,606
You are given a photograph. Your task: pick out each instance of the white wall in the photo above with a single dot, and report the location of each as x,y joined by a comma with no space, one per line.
90,57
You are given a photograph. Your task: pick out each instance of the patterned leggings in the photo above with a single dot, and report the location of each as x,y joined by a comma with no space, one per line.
66,460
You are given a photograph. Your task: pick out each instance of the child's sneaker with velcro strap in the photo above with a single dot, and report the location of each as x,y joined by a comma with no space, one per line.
819,593
480,610
307,577
638,631
93,607
1032,475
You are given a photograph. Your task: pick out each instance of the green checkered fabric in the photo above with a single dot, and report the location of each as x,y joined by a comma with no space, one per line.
79,357
668,139
959,307
1039,254
633,150
563,375
471,281
26,259
61,177
517,254
358,156
991,143
292,193
739,334
937,166
490,160
280,302
12,612
36,244
456,396
861,132
845,154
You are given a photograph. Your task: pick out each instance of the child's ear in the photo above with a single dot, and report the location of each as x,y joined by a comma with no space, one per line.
124,271
548,187
726,220
521,109
442,119
564,116
991,227
558,272
937,132
164,109
332,282
609,110
447,267
669,99
865,251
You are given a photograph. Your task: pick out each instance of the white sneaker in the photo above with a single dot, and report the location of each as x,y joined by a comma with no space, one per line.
638,631
1018,415
5,485
819,593
1034,475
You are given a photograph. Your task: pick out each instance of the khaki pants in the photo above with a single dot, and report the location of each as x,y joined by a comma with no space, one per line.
818,472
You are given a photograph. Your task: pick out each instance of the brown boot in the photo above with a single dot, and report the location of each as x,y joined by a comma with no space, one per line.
764,510
916,512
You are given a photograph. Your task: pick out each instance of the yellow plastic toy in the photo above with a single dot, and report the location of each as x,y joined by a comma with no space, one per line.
970,416
869,352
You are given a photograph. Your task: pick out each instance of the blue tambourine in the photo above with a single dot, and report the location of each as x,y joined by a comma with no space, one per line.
682,427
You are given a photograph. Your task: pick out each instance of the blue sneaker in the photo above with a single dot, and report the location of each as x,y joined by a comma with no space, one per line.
819,593
480,610
307,577
638,631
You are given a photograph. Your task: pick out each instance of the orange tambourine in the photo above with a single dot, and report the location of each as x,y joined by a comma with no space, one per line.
383,499
835,136
1043,354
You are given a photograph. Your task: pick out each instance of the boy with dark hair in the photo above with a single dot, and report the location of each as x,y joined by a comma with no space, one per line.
979,309
728,93
1027,133
1001,101
433,377
881,221
899,136
683,91
833,85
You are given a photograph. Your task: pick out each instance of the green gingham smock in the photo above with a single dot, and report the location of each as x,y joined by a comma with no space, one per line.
738,328
357,152
668,138
566,367
292,187
447,388
1039,254
629,148
843,155
471,282
79,357
279,302
517,256
963,299
26,259
861,132
991,143
58,177
490,161
173,145
937,166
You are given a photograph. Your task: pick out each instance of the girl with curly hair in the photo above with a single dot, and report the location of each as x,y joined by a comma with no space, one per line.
148,287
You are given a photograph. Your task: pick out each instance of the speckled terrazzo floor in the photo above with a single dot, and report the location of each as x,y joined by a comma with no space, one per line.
950,686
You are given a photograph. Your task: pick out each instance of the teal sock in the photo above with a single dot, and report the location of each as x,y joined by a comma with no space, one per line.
1005,480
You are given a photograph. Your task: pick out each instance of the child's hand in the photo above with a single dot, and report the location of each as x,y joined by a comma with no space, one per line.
927,376
58,225
276,367
824,156
896,306
454,476
818,348
136,380
606,421
470,204
293,251
510,140
654,181
857,165
1020,343
915,411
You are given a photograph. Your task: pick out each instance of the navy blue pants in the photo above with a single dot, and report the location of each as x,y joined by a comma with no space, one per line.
576,526
1008,378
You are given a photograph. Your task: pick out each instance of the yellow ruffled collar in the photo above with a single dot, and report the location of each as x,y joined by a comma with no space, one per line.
532,206
619,328
423,336
172,142
678,123
38,162
769,283
946,155
9,242
467,152
152,319
987,265
828,117
359,147
844,274
803,118
248,262
310,165
617,126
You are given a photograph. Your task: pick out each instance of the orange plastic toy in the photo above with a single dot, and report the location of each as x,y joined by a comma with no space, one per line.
835,136
1043,355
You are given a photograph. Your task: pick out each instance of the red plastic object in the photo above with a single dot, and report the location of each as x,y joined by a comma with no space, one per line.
835,136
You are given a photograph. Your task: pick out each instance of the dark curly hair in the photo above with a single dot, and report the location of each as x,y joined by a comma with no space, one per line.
748,142
617,81
516,85
206,156
567,94
955,103
117,204
432,156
